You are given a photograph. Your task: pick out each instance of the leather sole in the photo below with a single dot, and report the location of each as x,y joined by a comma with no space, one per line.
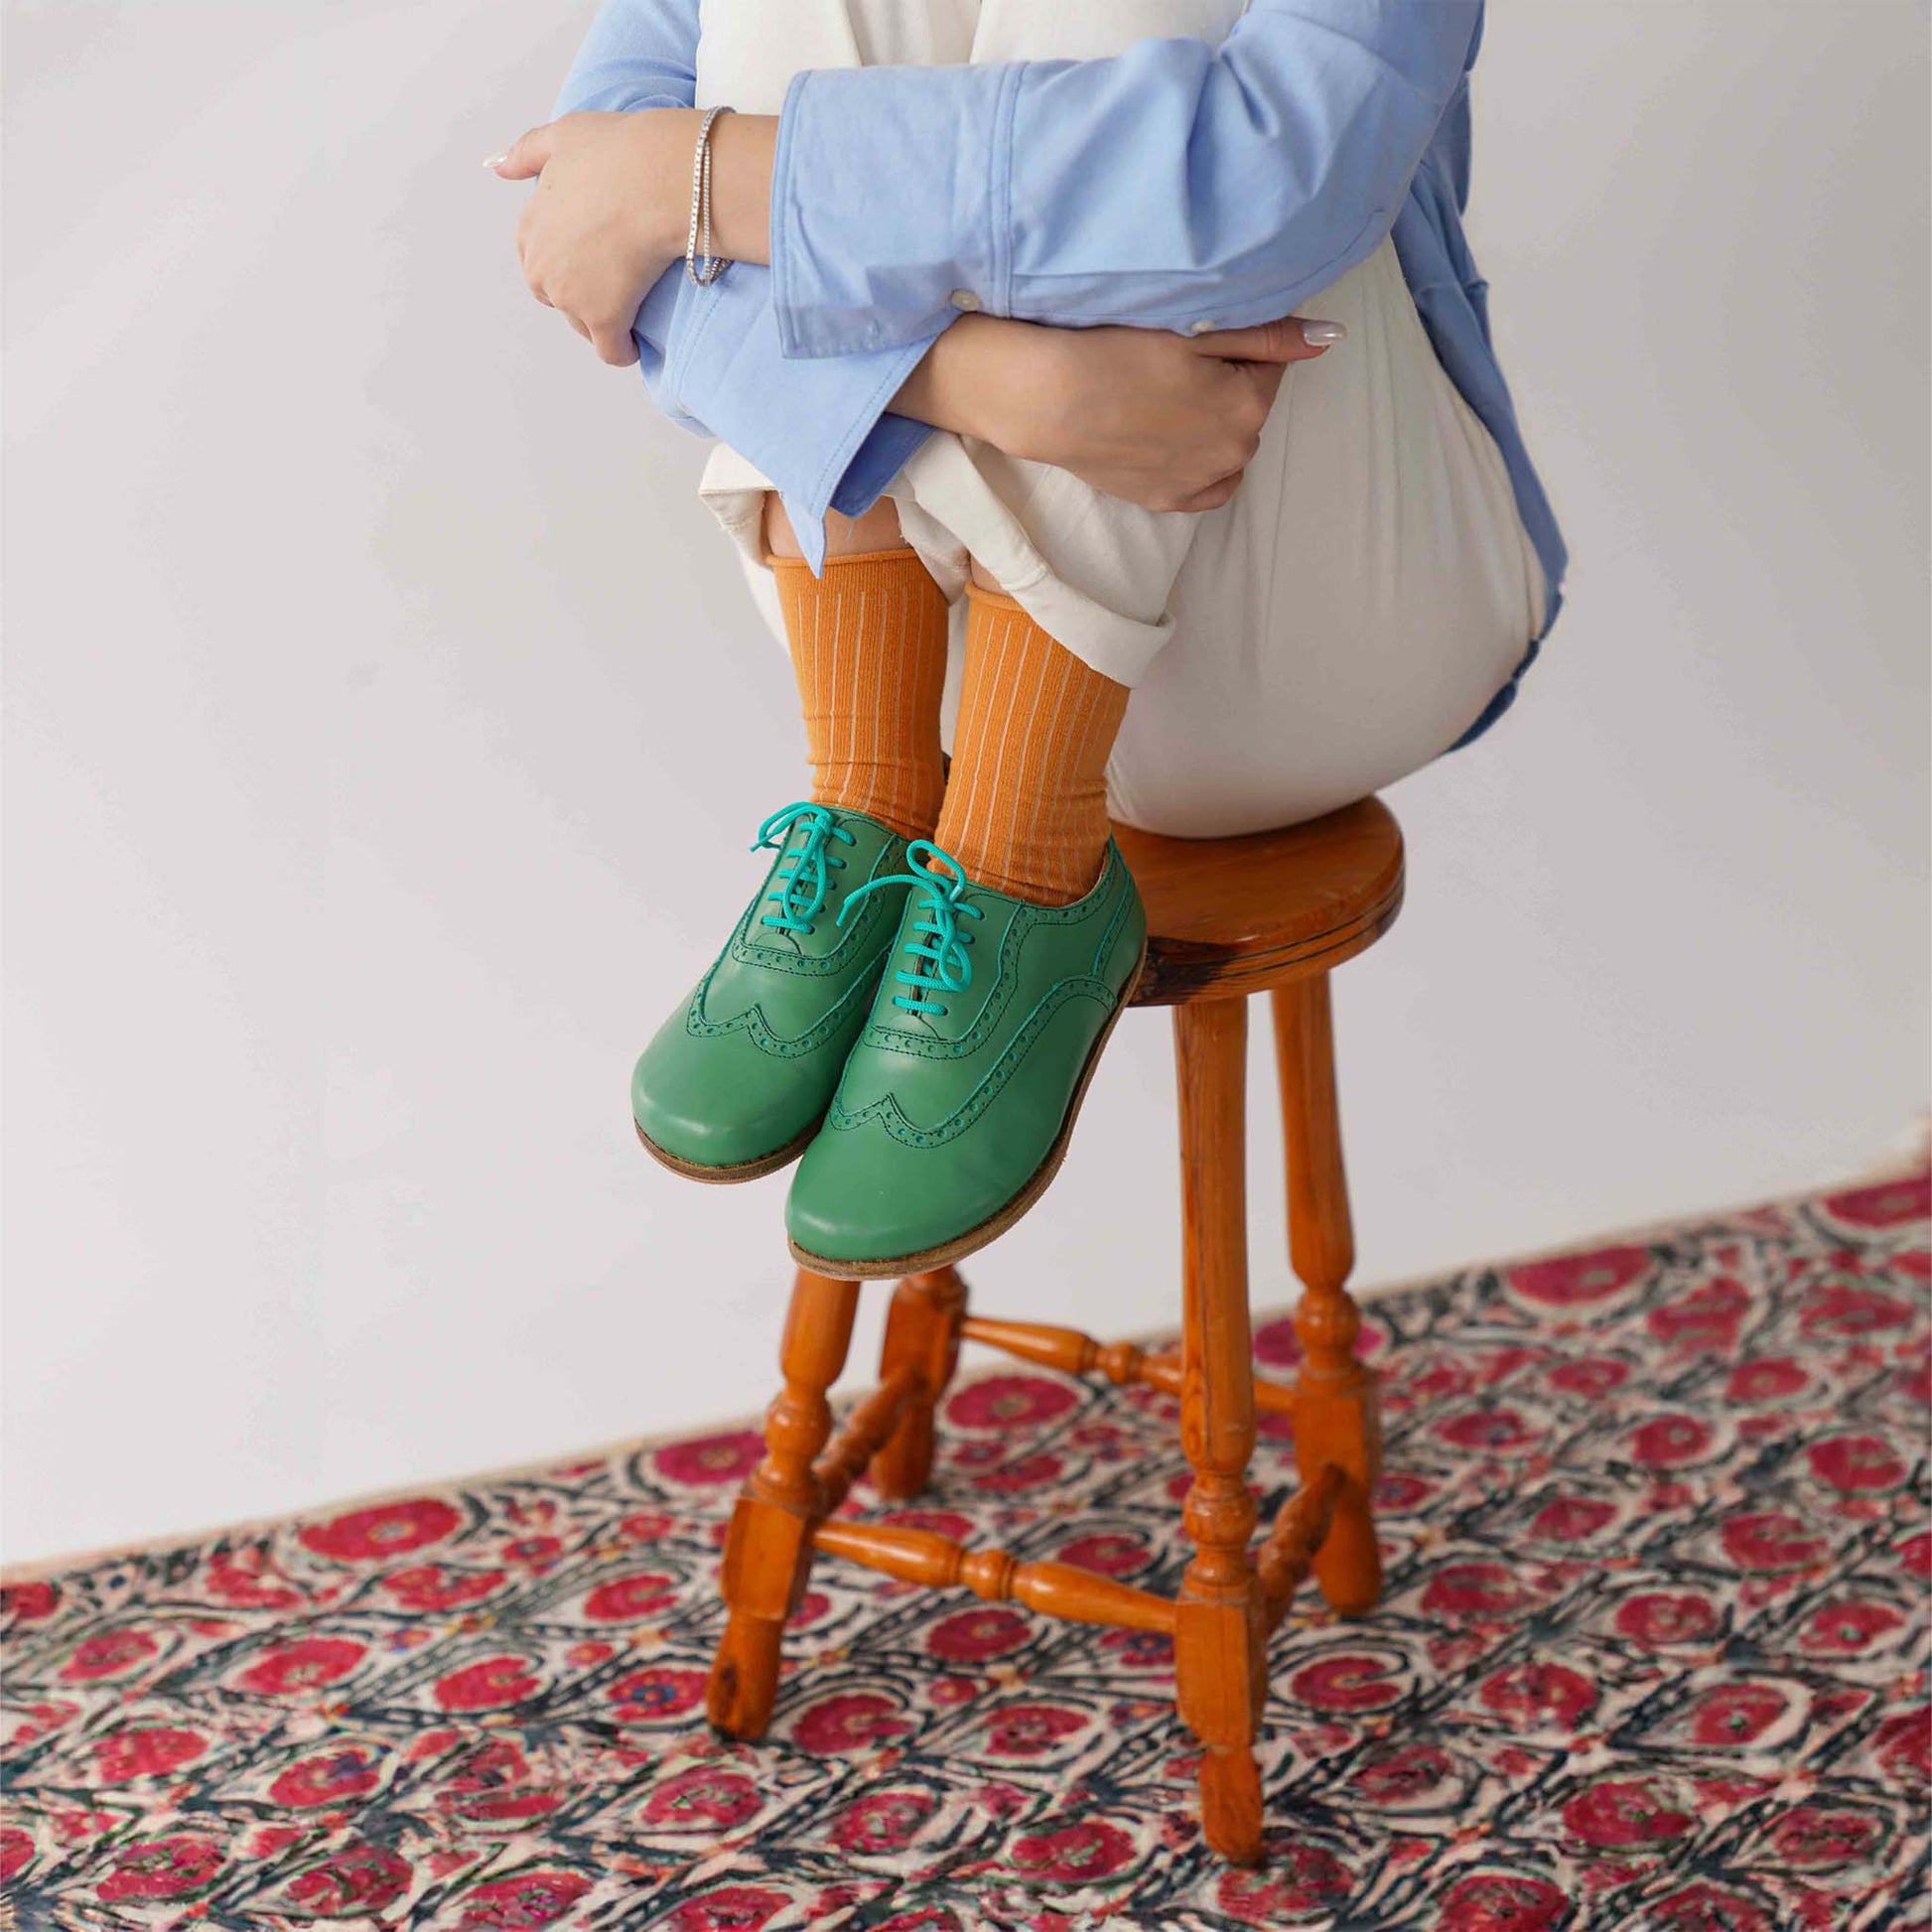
989,1230
725,1177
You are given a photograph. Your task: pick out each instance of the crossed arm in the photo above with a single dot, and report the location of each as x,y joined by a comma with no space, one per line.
1236,180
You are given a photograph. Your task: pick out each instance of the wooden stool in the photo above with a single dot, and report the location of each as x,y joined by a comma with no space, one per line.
1276,911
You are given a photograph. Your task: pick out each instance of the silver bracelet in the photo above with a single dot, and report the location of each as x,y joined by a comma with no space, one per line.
699,263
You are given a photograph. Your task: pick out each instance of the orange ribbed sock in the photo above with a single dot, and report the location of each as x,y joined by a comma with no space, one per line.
869,647
1026,809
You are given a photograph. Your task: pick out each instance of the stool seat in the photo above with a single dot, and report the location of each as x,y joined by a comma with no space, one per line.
1230,917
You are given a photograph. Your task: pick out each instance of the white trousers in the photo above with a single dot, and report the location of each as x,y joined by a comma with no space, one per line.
1335,626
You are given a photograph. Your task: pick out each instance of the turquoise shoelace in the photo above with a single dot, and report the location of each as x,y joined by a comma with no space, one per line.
804,875
937,946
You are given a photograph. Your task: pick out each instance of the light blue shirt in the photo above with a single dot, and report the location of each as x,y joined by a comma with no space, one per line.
1171,186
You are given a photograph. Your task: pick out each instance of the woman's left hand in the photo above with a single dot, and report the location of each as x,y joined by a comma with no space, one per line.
608,216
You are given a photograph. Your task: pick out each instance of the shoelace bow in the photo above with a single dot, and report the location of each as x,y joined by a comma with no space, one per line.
804,877
937,946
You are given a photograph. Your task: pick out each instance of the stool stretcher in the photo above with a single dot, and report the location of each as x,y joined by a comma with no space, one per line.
1053,1589
1121,1362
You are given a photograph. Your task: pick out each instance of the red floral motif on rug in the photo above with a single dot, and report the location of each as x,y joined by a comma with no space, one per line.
1652,1655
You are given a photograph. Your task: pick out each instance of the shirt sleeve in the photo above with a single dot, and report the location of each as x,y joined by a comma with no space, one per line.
637,54
1173,186
710,357
819,430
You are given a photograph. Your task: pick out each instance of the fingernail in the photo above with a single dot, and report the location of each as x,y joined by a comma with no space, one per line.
1322,335
498,160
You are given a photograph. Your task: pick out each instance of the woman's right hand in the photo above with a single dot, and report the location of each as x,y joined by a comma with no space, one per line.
1168,422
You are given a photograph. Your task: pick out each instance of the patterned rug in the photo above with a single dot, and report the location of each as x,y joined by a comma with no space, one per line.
1653,1654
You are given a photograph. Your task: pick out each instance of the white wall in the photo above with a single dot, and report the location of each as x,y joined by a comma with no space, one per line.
387,725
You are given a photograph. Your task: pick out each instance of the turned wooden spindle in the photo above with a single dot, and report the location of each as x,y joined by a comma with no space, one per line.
1065,1349
1220,1632
1121,1362
1336,1416
1062,1590
769,1547
1300,1531
866,1429
922,1327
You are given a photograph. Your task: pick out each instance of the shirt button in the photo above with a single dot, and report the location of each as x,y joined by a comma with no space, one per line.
1204,327
965,300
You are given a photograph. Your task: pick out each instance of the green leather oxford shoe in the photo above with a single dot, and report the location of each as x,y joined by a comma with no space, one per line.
960,1094
738,1079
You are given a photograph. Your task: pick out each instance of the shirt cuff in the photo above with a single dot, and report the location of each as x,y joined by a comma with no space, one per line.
817,429
854,270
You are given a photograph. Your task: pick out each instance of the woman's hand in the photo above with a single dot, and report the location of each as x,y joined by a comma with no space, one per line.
1168,422
608,216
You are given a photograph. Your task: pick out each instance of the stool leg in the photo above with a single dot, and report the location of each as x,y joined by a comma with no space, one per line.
1337,1419
1220,1634
768,1550
923,1331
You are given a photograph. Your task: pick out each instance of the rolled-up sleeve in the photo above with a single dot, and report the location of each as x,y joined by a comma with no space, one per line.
637,54
711,358
1173,185
819,430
